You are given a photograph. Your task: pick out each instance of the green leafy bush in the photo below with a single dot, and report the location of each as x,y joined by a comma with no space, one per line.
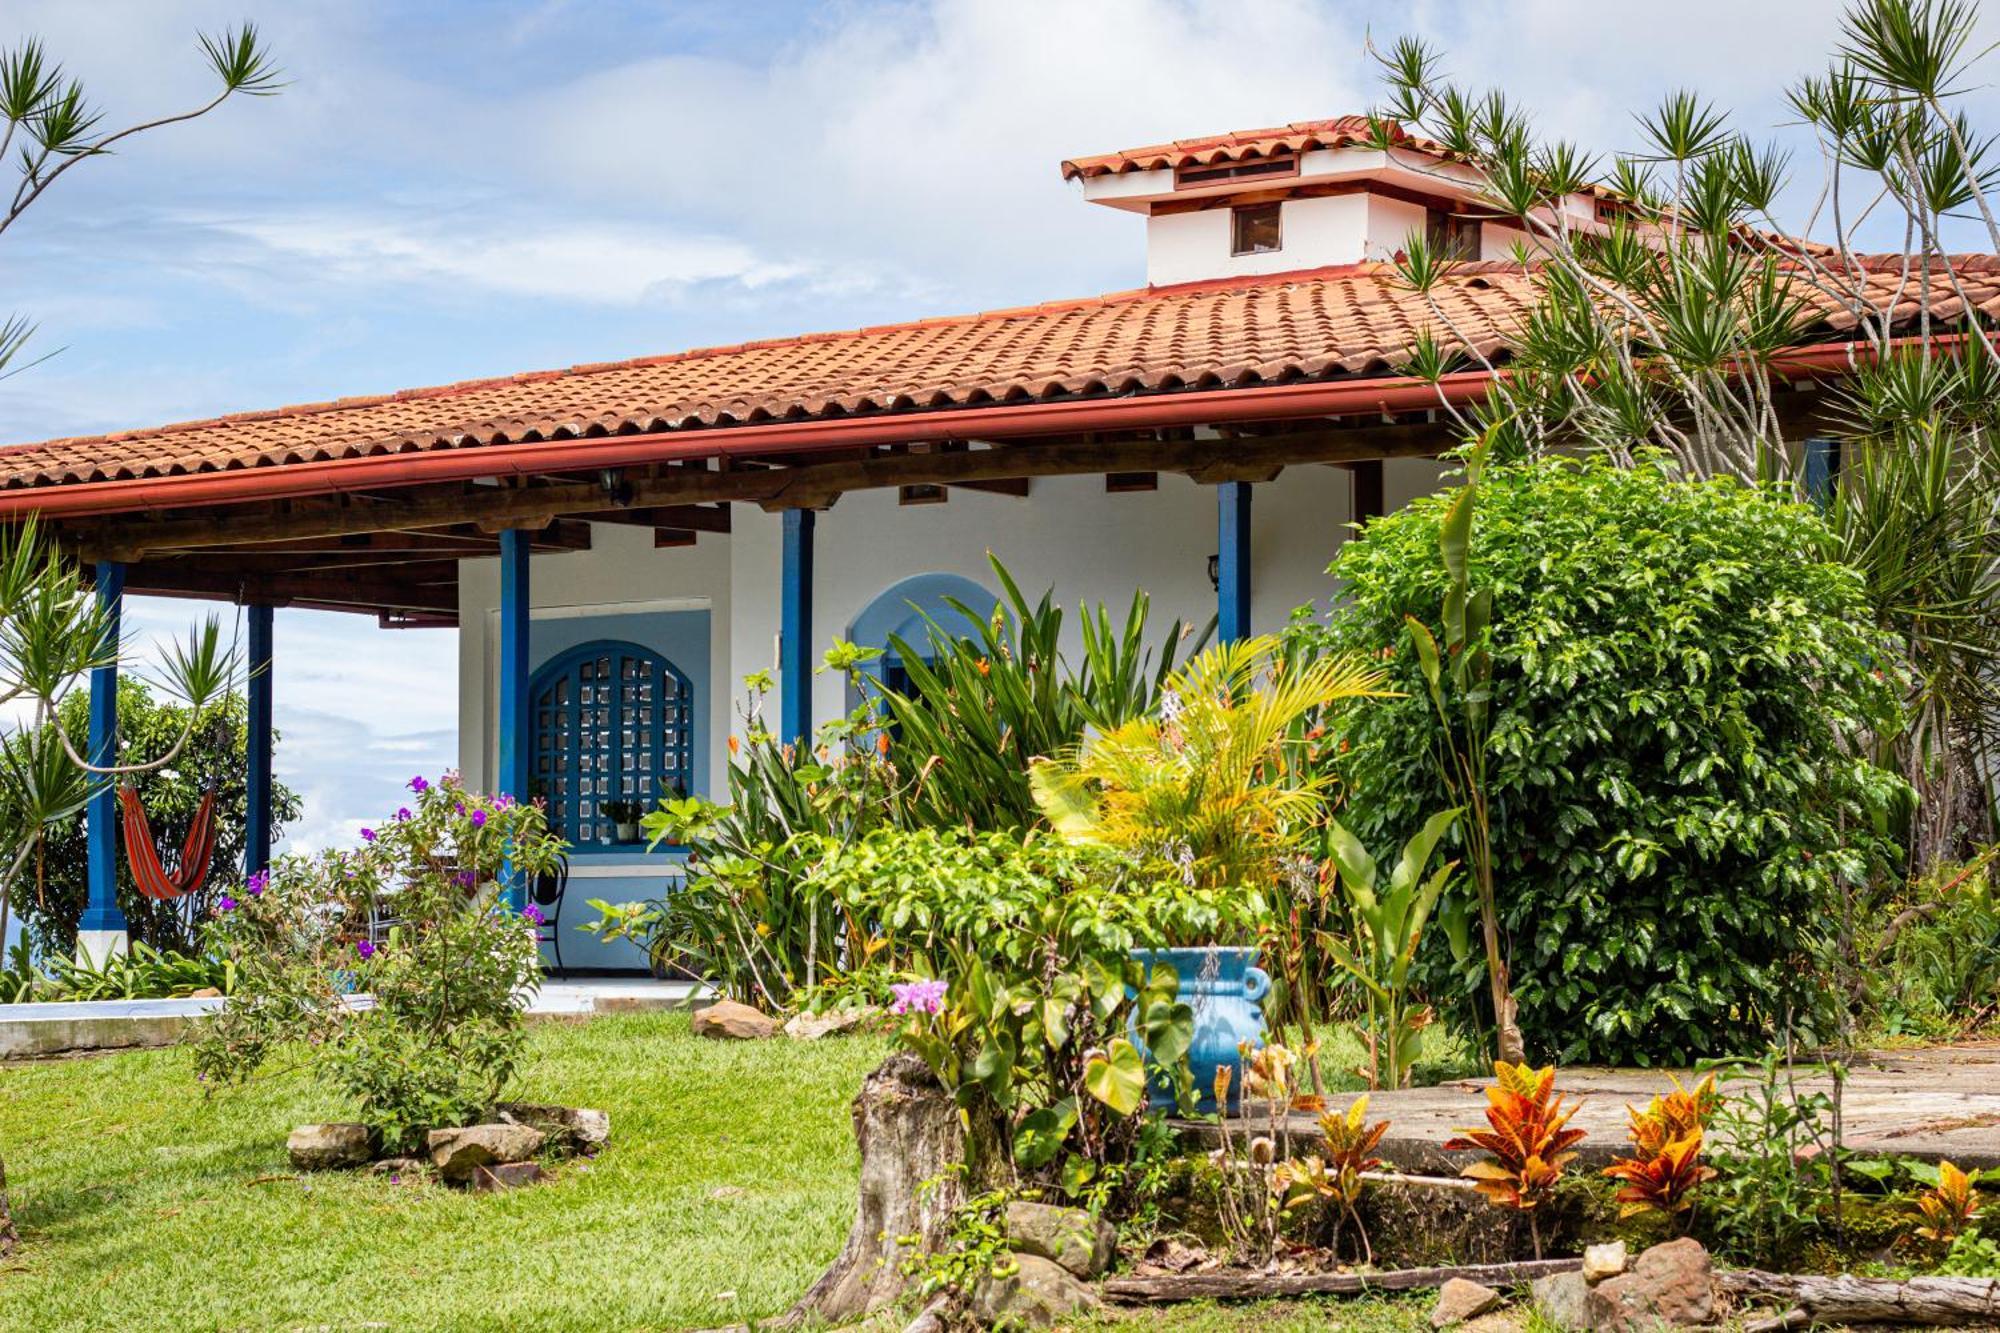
1029,1005
1934,965
1682,680
142,973
417,920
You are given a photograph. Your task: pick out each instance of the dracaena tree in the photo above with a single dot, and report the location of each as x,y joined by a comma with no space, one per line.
51,631
1664,315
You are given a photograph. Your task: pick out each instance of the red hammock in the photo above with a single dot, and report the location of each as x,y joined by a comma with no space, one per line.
189,867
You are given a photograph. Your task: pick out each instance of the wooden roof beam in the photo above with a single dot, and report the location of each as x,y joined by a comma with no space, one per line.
807,487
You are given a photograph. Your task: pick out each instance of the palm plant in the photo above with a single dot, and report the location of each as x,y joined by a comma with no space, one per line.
1206,790
1917,512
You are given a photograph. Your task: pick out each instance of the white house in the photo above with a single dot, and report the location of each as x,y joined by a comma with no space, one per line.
619,544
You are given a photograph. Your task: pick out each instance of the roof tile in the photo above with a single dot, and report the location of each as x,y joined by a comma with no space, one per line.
1351,320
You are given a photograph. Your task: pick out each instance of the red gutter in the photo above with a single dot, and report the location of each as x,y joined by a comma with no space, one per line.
1280,402
1004,421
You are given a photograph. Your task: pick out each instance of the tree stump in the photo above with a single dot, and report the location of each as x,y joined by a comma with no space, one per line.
909,1132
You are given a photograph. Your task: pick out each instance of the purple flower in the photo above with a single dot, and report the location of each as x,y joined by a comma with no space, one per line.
479,819
366,948
257,883
368,835
534,914
502,801
403,813
419,785
228,904
917,997
467,879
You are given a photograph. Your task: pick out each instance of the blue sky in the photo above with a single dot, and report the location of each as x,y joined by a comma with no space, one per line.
451,190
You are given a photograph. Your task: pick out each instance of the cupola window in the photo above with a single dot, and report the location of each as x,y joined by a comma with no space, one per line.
1254,230
1451,236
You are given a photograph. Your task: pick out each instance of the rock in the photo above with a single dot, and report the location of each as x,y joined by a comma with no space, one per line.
1603,1261
1562,1300
1071,1237
811,1027
205,993
726,1020
457,1152
399,1166
504,1176
575,1128
1670,1285
1460,1300
329,1147
1039,1292
932,1318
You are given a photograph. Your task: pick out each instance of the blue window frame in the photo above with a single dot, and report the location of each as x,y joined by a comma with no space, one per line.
609,721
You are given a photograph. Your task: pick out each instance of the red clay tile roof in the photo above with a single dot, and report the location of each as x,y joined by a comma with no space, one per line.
1356,320
1239,145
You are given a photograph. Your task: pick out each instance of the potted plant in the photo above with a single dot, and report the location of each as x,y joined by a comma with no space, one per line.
624,816
1205,799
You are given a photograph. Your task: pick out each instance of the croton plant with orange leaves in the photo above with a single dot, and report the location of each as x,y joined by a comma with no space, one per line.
1528,1140
1665,1167
1948,1207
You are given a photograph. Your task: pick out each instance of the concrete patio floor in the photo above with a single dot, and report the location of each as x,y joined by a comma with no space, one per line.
56,1028
1930,1103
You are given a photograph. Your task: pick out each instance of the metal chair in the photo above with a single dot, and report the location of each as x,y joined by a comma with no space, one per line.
546,892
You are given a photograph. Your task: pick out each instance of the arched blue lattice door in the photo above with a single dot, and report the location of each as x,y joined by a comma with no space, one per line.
906,609
610,721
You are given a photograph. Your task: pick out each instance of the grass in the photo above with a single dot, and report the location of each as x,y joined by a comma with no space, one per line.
728,1186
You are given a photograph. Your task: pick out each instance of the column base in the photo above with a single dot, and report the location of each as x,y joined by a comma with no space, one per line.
94,948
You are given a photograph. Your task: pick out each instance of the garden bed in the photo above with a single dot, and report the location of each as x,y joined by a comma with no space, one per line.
1925,1103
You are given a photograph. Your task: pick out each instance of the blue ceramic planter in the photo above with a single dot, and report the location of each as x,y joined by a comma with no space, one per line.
1224,987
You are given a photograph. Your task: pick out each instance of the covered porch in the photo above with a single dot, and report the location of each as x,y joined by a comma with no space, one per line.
619,544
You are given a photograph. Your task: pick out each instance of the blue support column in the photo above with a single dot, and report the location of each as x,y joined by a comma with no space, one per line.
795,630
1232,561
512,776
257,747
102,928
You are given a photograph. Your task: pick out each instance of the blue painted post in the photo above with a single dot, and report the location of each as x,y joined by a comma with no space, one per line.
101,931
1822,465
257,747
795,630
512,777
1233,561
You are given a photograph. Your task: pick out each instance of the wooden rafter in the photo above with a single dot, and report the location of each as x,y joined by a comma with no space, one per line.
814,486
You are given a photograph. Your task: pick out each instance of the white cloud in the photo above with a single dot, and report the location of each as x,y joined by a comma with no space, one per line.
598,263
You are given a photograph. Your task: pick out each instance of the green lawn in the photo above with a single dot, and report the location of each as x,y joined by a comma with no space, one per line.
728,1185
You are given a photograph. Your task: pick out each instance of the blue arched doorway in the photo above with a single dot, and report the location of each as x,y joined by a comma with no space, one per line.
899,611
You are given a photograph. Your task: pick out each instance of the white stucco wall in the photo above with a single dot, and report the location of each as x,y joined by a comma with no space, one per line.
1187,247
1068,533
621,574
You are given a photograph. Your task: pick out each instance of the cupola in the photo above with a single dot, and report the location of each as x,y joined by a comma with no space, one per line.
1301,196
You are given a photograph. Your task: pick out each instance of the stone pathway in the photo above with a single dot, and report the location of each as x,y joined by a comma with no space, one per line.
1929,1103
